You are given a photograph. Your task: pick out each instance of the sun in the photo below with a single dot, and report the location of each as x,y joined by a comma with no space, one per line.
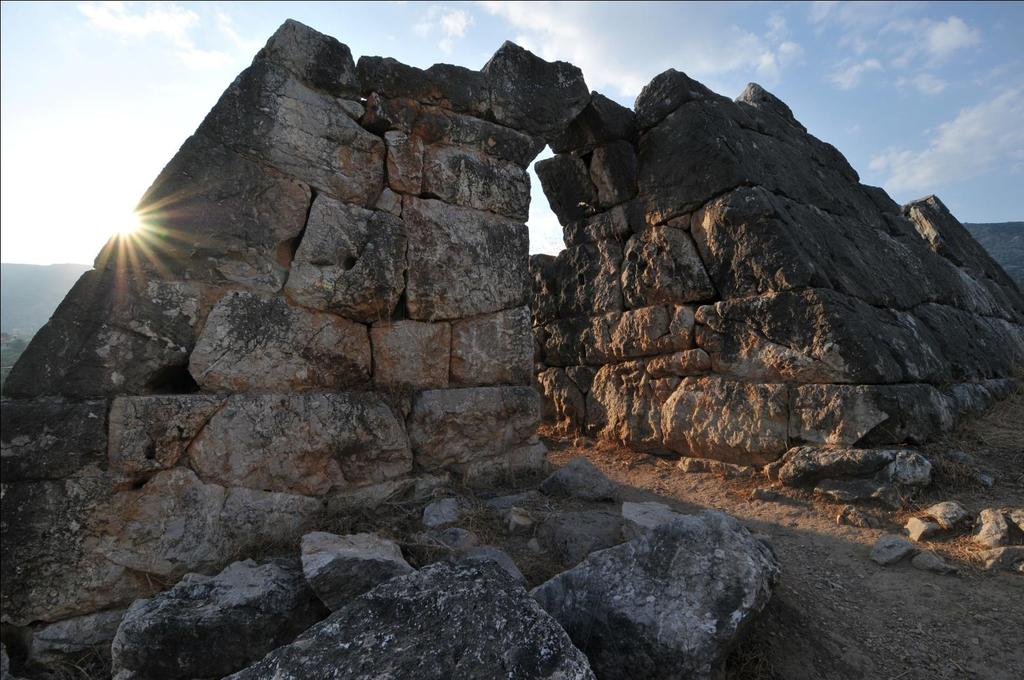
129,224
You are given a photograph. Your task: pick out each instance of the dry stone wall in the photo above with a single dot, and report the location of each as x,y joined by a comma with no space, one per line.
730,290
330,304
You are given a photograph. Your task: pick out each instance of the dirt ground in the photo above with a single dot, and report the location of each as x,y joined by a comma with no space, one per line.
837,614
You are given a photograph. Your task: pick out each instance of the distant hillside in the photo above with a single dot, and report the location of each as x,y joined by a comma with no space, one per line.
29,293
1005,242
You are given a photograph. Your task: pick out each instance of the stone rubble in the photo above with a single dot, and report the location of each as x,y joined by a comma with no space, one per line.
341,568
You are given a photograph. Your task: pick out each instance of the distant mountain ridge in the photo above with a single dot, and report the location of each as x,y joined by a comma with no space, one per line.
29,294
1005,243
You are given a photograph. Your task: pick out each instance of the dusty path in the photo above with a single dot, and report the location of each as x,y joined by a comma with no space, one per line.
839,615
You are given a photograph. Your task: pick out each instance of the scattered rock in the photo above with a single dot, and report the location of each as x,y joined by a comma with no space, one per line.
920,529
855,517
456,538
571,536
461,620
66,642
768,495
648,515
853,490
341,568
522,499
994,531
517,521
986,480
948,514
1006,558
668,604
929,561
488,553
241,614
1016,516
727,470
440,512
890,549
580,479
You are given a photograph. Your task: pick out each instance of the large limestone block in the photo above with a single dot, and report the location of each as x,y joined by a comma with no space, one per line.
614,224
543,271
458,426
564,406
405,162
214,215
153,433
270,115
624,405
469,620
341,568
870,414
116,332
665,93
661,265
317,59
613,172
731,421
303,444
493,349
351,262
564,343
639,332
411,353
567,186
463,262
669,604
176,523
603,120
254,342
51,438
473,179
242,613
70,641
452,87
588,279
532,95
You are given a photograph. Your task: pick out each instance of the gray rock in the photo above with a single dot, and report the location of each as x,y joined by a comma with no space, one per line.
661,264
571,536
317,59
641,517
496,349
440,512
243,613
488,553
854,517
341,568
517,521
1006,558
854,490
993,529
603,120
474,179
68,641
580,479
929,561
613,173
768,495
568,188
669,603
918,529
350,262
411,354
890,549
808,464
470,621
259,343
51,438
523,499
456,538
948,514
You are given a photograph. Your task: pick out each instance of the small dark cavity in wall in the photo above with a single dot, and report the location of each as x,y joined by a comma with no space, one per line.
172,380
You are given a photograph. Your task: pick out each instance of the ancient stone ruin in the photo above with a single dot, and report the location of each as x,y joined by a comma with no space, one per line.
331,306
730,290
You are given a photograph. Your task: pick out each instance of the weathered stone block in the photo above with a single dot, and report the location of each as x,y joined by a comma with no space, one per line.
253,342
731,421
473,179
661,264
564,406
567,186
267,113
463,262
459,426
613,173
405,162
411,353
683,364
351,261
51,438
603,120
637,333
564,341
624,405
493,349
588,278
302,444
316,59
451,87
614,224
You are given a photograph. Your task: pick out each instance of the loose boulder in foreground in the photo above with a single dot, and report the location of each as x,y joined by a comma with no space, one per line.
668,604
466,621
207,627
341,568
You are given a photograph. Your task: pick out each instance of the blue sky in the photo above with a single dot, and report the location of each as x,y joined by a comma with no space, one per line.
96,98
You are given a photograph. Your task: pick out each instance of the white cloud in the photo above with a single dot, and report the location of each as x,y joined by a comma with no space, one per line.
981,139
848,76
620,49
925,83
945,37
450,24
169,21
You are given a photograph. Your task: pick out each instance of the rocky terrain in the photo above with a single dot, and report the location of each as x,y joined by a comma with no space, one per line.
1005,243
291,429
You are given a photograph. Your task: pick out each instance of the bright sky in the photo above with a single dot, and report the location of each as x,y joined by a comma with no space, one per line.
96,98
